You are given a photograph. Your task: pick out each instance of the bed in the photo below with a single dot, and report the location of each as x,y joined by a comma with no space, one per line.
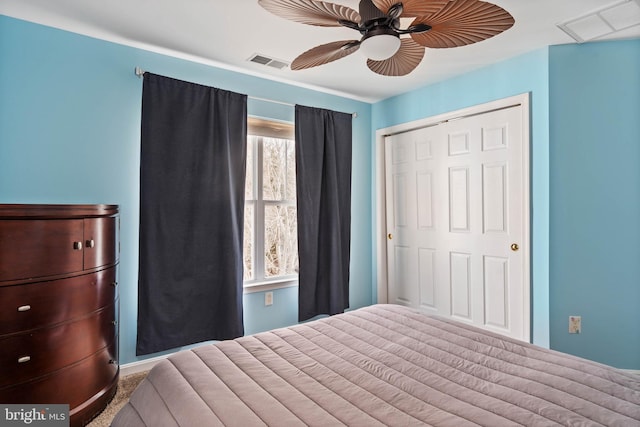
381,365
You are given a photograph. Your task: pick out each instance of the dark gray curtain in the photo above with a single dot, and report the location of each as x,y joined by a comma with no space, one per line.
192,176
323,182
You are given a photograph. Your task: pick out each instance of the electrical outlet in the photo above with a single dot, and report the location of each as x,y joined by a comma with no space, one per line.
268,298
575,324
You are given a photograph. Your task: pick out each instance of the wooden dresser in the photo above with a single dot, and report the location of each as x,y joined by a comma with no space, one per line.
59,306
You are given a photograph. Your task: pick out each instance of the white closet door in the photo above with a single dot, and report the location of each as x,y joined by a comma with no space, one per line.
454,221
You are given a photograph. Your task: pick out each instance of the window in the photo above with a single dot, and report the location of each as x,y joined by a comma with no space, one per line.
270,223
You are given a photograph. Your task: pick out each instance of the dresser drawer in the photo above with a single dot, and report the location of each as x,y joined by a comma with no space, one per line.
71,385
46,350
34,305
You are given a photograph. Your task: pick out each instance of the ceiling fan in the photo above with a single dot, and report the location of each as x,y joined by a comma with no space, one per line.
436,24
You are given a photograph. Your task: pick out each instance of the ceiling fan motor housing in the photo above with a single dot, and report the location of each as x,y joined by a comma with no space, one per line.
378,30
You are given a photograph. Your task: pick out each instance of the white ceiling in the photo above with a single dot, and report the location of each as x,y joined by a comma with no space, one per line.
227,33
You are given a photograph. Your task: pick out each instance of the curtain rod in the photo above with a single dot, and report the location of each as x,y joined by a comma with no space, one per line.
140,72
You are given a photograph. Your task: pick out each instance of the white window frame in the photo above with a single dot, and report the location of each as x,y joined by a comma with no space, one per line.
259,282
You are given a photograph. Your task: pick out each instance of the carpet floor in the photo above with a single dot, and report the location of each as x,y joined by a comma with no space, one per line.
126,386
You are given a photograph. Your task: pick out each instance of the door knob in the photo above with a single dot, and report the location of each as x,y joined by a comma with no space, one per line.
514,247
389,236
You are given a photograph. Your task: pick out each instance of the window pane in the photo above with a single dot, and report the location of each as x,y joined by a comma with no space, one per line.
274,168
247,249
248,186
280,241
291,170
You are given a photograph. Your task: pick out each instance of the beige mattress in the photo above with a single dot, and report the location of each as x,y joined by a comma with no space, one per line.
381,365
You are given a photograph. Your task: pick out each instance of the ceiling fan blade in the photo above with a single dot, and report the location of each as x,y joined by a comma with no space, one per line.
324,54
311,12
463,22
402,63
412,8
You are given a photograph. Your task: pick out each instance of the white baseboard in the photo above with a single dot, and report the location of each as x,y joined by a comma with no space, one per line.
140,366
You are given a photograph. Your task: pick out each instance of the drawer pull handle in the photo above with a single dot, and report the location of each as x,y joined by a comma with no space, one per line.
24,308
114,322
113,362
77,246
90,243
24,359
114,284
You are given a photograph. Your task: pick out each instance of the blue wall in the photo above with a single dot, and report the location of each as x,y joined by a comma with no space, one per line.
526,73
595,200
70,133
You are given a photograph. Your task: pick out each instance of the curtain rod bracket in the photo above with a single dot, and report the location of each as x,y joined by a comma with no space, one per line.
139,72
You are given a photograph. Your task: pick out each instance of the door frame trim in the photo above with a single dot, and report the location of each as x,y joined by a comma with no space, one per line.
522,100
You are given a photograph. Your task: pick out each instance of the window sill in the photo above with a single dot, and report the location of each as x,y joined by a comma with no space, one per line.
269,285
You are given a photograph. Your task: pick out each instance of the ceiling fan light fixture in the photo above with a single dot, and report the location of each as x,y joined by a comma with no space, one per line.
436,24
380,46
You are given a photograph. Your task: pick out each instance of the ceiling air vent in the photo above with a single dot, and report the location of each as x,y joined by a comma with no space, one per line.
619,20
269,62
